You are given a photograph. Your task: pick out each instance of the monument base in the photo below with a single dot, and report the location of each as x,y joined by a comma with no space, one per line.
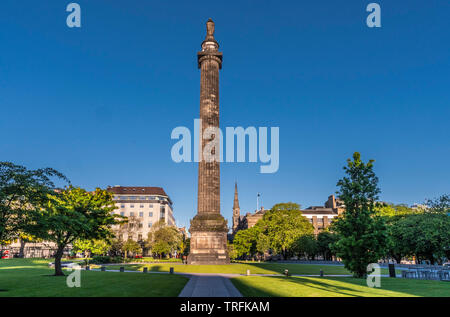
208,248
208,240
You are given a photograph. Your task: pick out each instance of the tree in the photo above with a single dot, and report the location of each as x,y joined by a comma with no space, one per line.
361,234
325,240
164,239
131,246
284,224
232,253
89,247
22,190
245,241
425,235
440,205
307,245
262,244
73,214
116,247
391,213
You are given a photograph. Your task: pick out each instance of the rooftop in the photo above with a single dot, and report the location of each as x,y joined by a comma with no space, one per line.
138,190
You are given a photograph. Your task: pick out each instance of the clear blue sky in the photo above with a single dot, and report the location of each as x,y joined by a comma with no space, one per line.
99,103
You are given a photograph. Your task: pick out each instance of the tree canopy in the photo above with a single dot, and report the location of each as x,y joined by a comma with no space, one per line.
361,234
73,214
22,190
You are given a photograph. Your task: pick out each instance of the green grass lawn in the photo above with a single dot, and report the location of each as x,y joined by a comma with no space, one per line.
32,277
259,286
241,268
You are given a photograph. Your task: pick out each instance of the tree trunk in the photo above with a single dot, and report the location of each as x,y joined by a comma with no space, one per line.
58,256
22,248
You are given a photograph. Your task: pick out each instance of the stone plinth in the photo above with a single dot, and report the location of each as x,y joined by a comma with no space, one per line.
208,240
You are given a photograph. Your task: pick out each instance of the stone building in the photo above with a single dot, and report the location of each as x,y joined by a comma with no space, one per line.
144,206
319,216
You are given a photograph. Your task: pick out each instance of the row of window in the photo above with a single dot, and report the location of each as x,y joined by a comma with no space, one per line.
131,237
139,225
140,206
141,214
140,198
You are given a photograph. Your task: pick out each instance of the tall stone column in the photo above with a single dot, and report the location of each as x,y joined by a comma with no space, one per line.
208,228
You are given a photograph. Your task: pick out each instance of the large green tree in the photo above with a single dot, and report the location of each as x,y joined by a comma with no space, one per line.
361,233
164,239
396,246
73,214
245,241
131,247
424,234
284,224
21,191
306,245
325,240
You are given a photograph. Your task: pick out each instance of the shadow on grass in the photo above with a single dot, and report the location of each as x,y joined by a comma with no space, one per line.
345,286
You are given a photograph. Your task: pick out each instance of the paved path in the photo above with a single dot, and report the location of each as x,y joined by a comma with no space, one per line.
209,286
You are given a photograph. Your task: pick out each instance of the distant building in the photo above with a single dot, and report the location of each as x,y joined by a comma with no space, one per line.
144,206
419,207
319,216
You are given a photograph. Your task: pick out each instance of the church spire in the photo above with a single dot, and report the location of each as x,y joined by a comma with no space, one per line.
236,210
236,199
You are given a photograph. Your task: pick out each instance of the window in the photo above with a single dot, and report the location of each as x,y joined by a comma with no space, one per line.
162,212
149,224
141,214
122,206
139,237
152,198
151,205
142,206
150,214
123,197
131,214
140,225
142,198
122,213
131,206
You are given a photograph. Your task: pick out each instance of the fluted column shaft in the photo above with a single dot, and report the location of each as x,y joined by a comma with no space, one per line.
209,172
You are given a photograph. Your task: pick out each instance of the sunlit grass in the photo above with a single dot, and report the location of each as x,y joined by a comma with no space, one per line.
239,268
33,277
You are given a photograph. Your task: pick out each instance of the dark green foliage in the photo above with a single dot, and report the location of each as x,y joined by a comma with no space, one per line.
362,236
306,245
325,240
22,190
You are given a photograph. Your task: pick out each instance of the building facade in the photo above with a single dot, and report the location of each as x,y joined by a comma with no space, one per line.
144,206
319,216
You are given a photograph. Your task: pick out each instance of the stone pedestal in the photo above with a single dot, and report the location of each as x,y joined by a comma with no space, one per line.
208,240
